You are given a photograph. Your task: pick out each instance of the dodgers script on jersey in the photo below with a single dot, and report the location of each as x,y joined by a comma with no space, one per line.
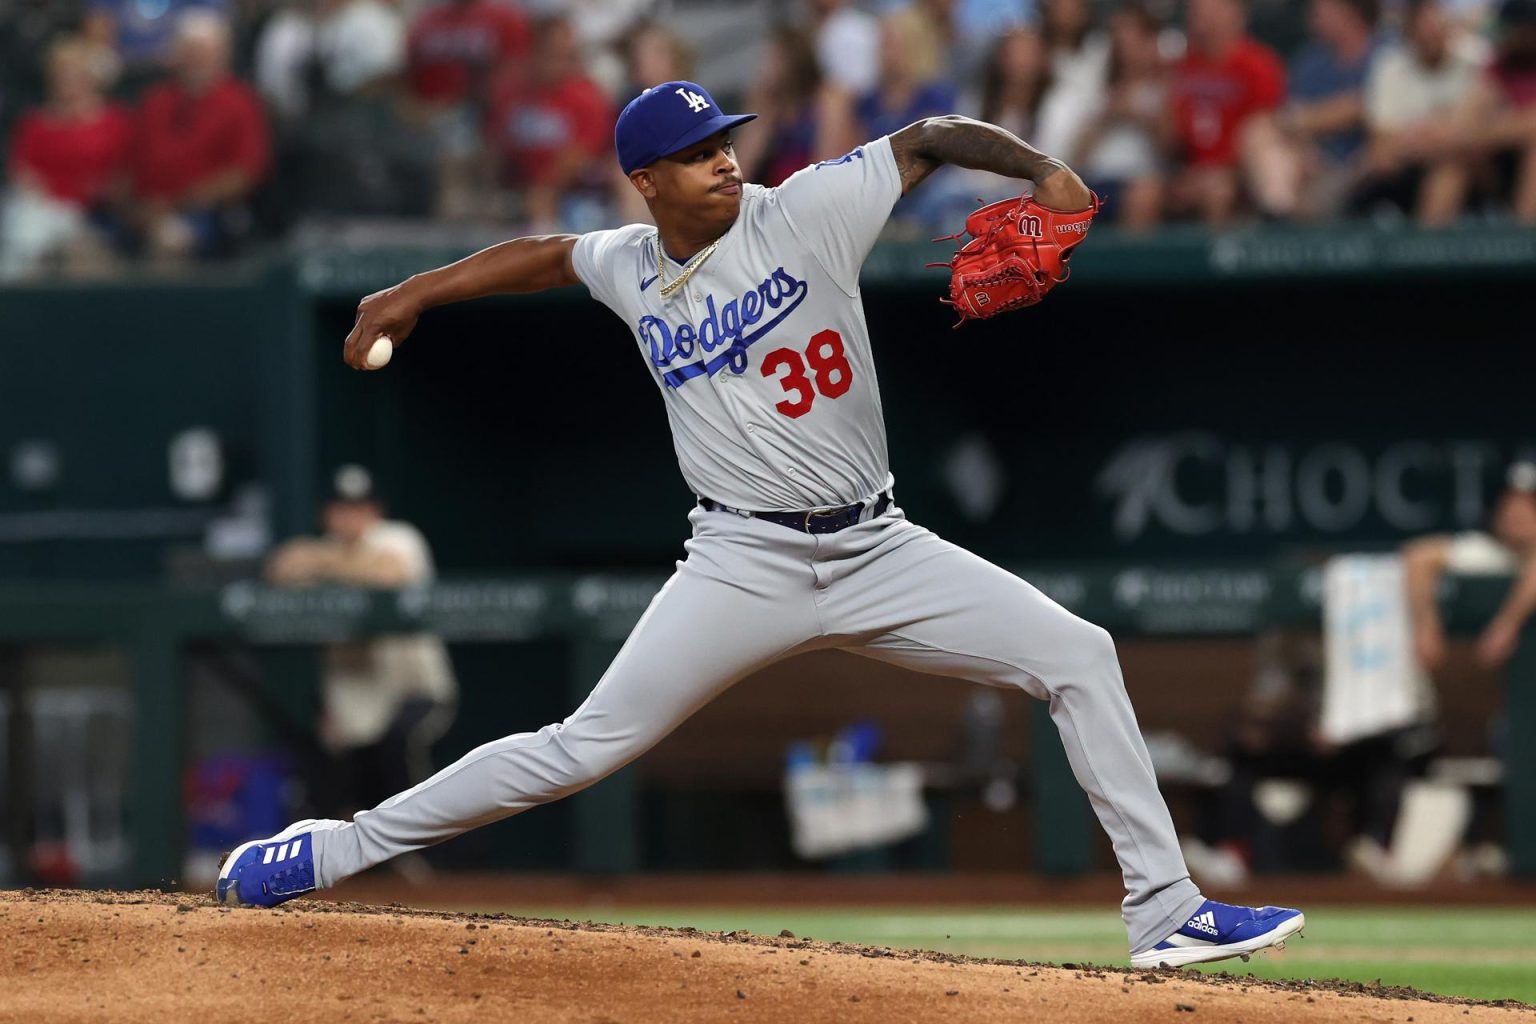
763,357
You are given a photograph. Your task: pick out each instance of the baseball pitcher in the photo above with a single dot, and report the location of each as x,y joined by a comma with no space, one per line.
744,304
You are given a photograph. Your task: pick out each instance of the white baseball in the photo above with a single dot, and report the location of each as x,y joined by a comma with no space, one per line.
380,353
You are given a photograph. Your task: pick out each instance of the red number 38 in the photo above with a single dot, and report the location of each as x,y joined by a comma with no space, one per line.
829,366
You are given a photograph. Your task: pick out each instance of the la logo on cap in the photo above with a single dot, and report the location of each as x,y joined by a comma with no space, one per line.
695,102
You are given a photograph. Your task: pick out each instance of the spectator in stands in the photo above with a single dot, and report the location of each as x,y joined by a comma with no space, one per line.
456,51
141,35
1303,161
201,148
847,45
848,54
457,46
1509,546
1017,88
784,96
1120,149
1489,144
653,54
27,28
67,157
911,83
1079,62
912,86
1413,84
315,49
1224,81
970,29
551,131
1019,93
332,71
1079,54
384,700
604,30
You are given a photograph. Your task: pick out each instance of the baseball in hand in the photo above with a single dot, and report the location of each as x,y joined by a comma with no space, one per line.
380,353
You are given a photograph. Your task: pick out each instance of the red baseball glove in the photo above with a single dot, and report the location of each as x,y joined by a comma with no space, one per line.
1017,253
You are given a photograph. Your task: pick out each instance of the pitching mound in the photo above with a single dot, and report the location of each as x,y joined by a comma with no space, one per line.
152,958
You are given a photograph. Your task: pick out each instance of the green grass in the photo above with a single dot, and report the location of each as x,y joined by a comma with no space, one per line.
1483,953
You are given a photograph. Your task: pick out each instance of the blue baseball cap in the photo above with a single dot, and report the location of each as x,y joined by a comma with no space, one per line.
666,118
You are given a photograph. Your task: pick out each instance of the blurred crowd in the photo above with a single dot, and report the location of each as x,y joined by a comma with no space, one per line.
171,130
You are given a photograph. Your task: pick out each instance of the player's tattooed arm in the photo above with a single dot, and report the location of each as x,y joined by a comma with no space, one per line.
521,265
925,146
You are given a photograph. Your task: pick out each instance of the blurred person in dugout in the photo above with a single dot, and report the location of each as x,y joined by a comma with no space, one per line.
1359,718
385,700
1508,546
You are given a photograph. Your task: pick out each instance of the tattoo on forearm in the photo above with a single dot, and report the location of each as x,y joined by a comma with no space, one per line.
922,148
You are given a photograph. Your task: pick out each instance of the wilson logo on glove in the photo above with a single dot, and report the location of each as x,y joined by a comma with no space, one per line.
1015,256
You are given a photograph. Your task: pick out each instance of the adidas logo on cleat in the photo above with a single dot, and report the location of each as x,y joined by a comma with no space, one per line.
1205,922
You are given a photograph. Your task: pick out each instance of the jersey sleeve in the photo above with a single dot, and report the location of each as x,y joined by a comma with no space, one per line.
596,261
836,208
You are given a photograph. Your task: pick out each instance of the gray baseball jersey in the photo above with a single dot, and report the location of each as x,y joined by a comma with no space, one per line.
763,356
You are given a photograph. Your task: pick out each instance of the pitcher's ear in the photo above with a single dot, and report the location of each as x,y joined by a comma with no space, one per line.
644,182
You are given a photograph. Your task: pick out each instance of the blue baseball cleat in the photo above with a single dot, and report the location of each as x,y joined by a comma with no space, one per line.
1219,931
266,872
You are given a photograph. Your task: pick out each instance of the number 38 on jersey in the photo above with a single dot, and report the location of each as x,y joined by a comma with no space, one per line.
822,369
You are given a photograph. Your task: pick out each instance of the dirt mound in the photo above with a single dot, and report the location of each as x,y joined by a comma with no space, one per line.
153,958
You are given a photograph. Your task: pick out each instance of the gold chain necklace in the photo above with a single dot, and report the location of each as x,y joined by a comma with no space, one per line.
669,287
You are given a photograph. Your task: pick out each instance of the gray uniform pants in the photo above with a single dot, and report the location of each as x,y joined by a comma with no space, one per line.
750,593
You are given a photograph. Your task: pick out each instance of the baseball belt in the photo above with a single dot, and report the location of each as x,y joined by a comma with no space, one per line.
811,520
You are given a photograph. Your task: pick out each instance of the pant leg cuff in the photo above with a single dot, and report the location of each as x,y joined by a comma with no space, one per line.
1182,898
